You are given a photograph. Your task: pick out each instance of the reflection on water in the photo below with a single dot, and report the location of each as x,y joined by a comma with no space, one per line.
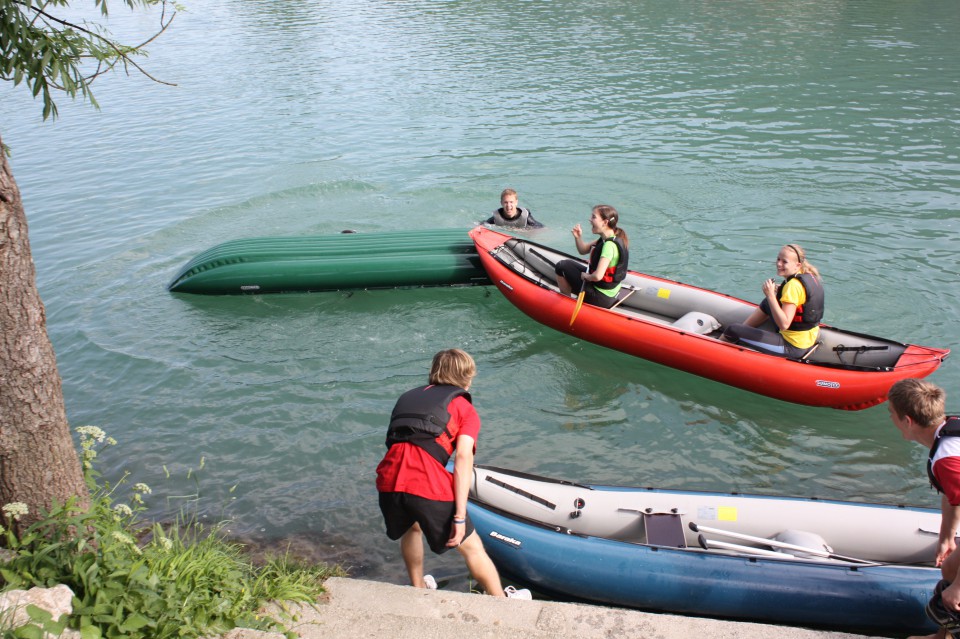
719,130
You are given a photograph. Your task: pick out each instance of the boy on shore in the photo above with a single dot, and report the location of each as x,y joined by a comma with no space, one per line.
420,500
917,410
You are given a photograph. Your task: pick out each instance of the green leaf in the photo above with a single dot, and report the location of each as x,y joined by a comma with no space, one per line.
134,622
38,614
9,577
29,631
90,632
56,628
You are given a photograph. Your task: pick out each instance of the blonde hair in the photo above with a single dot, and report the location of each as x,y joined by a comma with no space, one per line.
805,266
507,192
921,401
453,366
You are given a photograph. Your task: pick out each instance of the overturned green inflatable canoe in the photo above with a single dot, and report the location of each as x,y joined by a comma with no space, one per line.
441,257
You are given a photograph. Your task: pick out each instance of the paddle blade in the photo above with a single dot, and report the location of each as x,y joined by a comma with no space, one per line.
576,309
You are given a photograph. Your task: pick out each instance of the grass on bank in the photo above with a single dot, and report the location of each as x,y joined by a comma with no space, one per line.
135,581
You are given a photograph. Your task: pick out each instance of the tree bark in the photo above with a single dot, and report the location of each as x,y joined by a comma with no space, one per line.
39,463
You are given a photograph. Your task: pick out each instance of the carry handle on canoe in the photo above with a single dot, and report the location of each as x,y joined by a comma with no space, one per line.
856,350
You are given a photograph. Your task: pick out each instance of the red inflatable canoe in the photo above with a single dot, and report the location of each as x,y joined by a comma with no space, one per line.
677,325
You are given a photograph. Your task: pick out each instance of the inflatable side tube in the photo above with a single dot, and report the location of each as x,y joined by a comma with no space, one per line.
443,257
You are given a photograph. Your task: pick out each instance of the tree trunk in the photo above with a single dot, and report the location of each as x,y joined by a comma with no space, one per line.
38,460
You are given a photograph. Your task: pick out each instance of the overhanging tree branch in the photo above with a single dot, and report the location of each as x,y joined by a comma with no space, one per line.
39,466
47,50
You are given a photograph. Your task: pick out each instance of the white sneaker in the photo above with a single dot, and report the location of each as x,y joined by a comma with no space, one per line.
513,593
430,582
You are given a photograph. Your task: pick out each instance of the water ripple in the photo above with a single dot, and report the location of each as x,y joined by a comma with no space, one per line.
720,131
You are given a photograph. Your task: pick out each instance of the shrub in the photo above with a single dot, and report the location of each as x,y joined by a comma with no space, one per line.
136,580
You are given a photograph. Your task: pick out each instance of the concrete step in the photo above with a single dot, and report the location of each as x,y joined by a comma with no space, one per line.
357,609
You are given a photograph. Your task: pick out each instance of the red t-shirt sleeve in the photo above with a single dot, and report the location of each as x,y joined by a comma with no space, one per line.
465,417
947,472
407,468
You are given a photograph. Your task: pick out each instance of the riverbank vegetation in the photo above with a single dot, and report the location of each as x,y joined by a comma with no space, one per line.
134,579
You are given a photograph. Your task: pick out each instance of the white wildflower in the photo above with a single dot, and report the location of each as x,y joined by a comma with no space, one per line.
122,510
126,539
140,487
16,510
91,432
122,537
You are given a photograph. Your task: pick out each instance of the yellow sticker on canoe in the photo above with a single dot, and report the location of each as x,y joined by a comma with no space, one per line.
664,293
726,513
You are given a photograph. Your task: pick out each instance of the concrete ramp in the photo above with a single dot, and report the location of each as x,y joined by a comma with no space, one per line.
357,609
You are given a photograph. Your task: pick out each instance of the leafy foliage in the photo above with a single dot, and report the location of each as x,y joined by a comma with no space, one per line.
134,581
49,52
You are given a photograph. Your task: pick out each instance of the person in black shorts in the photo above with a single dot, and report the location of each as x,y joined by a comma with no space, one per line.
418,497
917,409
600,278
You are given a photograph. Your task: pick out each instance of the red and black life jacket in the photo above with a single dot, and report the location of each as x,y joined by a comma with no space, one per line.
421,417
950,429
614,274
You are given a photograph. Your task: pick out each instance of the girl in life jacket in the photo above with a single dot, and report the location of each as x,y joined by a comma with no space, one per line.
599,279
795,306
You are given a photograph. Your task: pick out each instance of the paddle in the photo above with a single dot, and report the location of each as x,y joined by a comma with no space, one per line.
777,544
711,544
576,309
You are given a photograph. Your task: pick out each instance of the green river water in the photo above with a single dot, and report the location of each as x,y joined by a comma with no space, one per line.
720,130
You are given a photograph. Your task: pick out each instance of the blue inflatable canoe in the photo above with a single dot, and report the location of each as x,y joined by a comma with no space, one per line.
829,564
